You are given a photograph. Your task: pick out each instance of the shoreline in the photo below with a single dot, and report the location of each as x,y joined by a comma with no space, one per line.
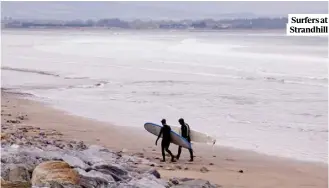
219,161
140,130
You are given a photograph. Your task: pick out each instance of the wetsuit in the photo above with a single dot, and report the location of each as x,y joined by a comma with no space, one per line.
165,131
185,131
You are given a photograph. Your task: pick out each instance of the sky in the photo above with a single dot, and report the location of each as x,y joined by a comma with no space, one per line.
156,10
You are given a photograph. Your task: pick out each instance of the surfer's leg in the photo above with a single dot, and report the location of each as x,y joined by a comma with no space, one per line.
167,150
163,154
190,150
179,152
191,154
172,156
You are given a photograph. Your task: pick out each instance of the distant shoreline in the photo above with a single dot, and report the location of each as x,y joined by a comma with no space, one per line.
119,29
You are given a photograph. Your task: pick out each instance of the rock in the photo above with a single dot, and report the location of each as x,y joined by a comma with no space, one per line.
42,134
20,157
198,183
4,171
4,136
8,184
146,182
54,184
141,155
92,182
81,146
75,162
73,142
23,129
241,171
59,145
211,164
204,170
69,146
21,117
178,167
154,172
128,159
13,121
174,181
46,142
115,171
102,149
113,168
18,173
94,178
169,168
186,179
54,171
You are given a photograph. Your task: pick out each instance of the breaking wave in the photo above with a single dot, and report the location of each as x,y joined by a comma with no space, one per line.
30,71
75,78
98,84
85,82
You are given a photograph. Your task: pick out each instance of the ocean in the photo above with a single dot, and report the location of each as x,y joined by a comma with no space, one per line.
260,91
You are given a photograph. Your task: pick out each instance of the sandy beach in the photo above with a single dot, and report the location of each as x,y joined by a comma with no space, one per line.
223,166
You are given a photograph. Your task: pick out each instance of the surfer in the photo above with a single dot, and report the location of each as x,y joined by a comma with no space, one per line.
185,131
165,131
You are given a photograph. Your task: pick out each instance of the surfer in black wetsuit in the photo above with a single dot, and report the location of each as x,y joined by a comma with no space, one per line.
185,131
165,131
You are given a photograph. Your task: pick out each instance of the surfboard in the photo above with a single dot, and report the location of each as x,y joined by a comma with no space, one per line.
175,137
196,136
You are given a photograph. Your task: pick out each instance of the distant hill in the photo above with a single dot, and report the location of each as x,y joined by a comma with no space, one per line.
205,24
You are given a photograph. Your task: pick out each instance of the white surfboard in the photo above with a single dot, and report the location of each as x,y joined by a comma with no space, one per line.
196,136
175,138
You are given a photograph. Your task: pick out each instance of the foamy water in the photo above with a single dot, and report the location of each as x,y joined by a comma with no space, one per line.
262,92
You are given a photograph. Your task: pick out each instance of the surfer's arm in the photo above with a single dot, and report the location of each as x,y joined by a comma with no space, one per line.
156,142
187,130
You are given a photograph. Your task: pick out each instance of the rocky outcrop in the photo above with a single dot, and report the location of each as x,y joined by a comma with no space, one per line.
93,167
34,157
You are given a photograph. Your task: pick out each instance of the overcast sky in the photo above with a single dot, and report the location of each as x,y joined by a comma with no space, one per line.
156,10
